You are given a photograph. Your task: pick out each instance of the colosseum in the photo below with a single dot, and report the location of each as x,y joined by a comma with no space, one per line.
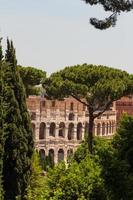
59,126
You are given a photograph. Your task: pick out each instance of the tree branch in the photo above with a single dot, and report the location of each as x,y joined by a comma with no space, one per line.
79,100
104,109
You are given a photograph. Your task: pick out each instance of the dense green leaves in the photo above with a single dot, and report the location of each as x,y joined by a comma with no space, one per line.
116,162
94,86
31,77
89,82
78,181
105,175
18,146
35,190
1,121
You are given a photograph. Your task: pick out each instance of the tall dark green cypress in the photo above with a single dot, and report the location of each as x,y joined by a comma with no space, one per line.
18,132
1,121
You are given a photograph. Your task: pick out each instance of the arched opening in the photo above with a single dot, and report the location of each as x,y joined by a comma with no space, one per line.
110,128
33,130
71,106
79,131
51,157
42,154
62,129
69,155
107,129
42,131
52,129
103,128
98,129
71,117
60,155
71,131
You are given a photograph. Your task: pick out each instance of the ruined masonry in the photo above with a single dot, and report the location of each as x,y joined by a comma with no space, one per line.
59,126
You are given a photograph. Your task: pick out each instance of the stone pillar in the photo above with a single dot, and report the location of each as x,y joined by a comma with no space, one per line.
47,131
37,126
56,156
46,151
105,129
75,132
112,128
83,132
57,131
100,129
66,131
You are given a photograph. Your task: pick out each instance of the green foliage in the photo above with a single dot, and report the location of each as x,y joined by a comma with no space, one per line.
116,7
18,148
81,152
47,163
1,121
78,181
36,187
94,86
105,175
89,82
116,162
31,77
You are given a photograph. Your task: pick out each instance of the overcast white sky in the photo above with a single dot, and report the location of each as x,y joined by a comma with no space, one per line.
52,34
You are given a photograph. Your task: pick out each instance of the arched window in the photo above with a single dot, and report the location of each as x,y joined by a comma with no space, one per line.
52,129
33,130
51,157
60,155
71,117
42,154
103,128
79,131
53,103
62,129
70,131
98,129
69,155
107,129
42,131
71,106
110,128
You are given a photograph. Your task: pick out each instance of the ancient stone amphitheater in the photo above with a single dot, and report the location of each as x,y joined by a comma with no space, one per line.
59,126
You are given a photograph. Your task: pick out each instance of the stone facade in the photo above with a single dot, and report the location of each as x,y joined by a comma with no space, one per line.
59,126
124,105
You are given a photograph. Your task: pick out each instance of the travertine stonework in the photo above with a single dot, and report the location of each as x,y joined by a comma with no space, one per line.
59,126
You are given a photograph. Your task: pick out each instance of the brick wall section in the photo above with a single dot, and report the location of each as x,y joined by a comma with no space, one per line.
124,105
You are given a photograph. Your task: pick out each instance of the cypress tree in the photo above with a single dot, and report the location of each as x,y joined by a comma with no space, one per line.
1,121
18,146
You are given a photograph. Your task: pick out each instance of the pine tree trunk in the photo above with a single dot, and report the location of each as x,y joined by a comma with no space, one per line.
90,131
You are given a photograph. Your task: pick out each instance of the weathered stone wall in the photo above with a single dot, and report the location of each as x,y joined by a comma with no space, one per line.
59,126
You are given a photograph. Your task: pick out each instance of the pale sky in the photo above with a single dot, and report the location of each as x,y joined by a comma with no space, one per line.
52,34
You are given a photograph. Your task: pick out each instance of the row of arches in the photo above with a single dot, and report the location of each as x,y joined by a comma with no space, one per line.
61,132
103,128
60,154
100,129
